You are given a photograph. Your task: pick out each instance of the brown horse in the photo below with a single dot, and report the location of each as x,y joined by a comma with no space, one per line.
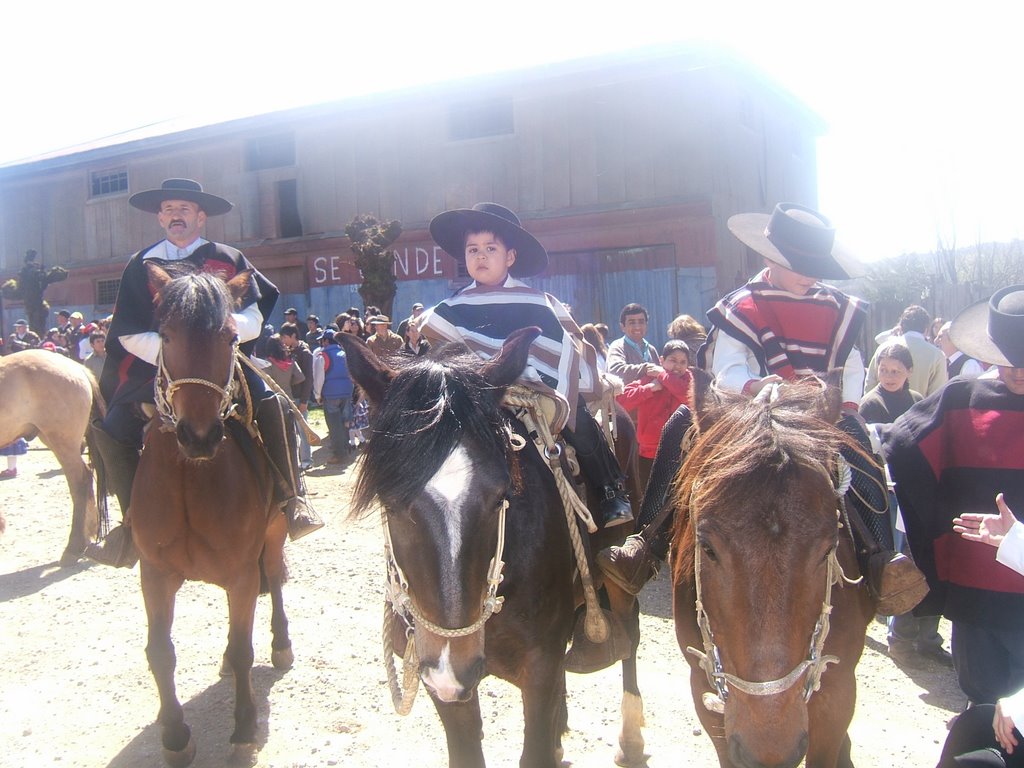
462,490
49,396
763,565
201,506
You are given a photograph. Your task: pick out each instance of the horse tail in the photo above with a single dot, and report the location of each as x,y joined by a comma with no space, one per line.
97,413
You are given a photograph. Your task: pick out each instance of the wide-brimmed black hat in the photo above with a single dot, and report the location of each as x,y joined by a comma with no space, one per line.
993,331
798,238
449,231
180,189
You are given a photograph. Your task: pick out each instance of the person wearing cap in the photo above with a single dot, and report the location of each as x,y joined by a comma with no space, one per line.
951,457
133,344
332,388
562,365
382,340
74,335
22,338
784,324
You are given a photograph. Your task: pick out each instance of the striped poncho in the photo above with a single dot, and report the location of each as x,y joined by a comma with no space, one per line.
952,453
561,364
790,336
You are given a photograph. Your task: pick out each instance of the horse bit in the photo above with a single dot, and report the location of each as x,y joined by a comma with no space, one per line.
816,662
164,388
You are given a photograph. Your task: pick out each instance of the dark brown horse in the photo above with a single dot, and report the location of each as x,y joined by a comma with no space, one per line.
201,509
444,466
761,553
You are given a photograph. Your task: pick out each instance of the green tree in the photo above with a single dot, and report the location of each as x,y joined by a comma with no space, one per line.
371,243
29,286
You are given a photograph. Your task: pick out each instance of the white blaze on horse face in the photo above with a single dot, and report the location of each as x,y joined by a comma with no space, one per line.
441,679
449,486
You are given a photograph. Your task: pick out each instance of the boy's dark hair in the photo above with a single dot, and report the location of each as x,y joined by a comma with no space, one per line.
289,329
496,236
96,336
675,345
632,309
915,318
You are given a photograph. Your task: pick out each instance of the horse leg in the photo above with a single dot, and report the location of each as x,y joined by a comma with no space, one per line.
158,592
631,738
543,688
273,564
239,654
463,729
79,480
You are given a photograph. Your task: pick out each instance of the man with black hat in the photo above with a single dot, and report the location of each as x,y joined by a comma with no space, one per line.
785,325
497,250
22,338
951,456
133,344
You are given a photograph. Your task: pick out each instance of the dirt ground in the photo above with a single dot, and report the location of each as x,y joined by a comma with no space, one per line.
75,689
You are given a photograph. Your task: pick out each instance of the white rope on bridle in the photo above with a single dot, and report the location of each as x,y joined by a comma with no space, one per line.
398,601
164,388
815,663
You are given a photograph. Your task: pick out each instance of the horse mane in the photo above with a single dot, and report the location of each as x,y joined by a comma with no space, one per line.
200,301
753,450
434,402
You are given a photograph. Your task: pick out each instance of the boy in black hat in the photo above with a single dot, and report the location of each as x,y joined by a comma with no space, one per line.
497,250
181,207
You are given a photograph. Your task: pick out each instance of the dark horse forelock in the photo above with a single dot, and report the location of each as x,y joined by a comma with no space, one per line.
748,457
200,302
433,404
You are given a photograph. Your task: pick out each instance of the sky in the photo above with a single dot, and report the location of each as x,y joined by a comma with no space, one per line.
922,101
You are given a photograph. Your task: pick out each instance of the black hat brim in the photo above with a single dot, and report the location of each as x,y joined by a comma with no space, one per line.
749,229
449,231
151,199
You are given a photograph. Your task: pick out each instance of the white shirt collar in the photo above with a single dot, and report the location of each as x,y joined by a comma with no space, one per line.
168,251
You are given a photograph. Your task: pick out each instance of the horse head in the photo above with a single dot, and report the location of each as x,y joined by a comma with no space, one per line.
441,466
196,364
756,542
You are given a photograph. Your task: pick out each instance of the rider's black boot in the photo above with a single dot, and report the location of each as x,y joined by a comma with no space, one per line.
120,461
277,428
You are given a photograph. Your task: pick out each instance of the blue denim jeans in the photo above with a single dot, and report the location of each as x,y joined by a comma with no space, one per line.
337,413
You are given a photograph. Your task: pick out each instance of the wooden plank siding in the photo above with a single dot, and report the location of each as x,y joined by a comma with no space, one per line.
602,156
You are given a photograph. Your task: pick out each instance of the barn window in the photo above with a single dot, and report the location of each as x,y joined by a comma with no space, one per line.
106,291
277,151
475,120
108,182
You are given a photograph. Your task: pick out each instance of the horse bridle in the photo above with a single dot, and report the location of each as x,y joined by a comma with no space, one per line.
164,388
815,663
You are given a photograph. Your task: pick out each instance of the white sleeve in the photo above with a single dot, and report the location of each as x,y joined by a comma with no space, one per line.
249,323
1013,707
318,375
972,369
733,364
145,346
1011,554
853,377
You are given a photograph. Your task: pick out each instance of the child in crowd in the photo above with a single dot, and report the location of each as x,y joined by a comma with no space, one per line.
497,251
655,397
12,451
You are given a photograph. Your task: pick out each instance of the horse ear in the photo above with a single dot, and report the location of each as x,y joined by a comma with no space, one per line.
241,287
505,367
365,368
829,406
157,277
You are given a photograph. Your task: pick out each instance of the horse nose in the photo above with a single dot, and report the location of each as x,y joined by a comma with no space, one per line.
196,445
450,684
742,758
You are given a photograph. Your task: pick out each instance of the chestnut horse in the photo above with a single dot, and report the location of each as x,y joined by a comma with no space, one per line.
764,564
47,395
201,506
458,496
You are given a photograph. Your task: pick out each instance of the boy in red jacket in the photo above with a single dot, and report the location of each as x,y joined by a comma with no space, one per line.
655,397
